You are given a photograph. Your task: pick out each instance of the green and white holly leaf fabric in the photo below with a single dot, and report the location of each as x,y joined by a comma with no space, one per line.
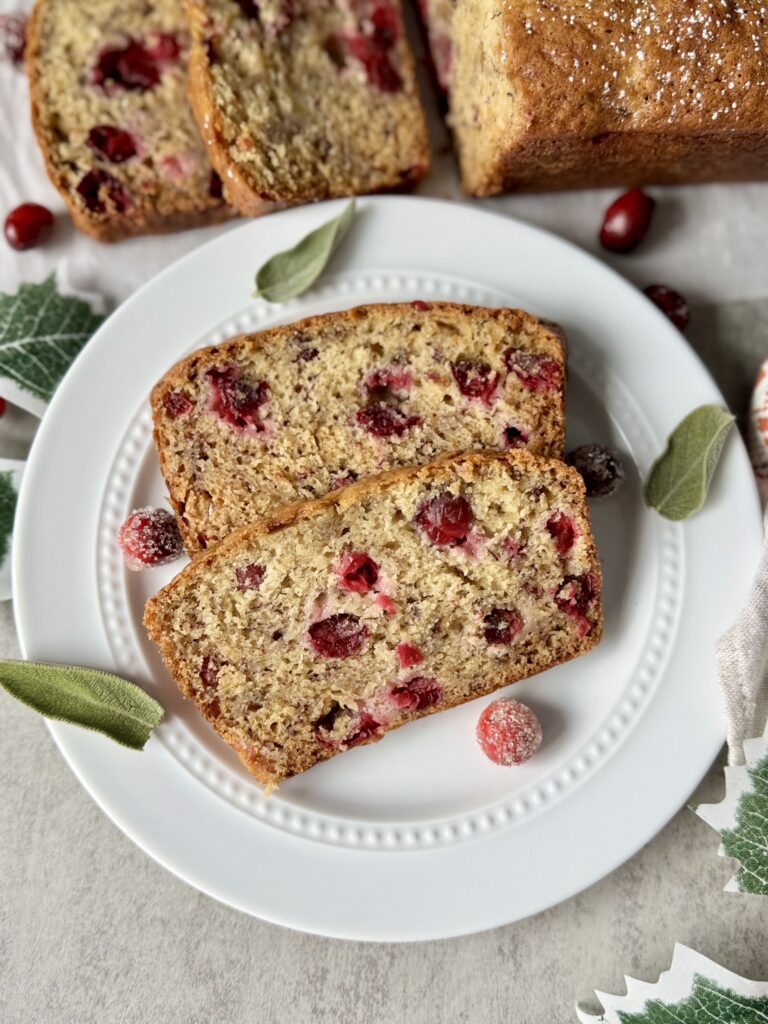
41,332
741,818
694,990
10,480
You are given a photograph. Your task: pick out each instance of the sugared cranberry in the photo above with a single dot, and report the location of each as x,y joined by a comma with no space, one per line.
508,732
476,380
135,66
215,186
28,225
382,420
176,403
626,221
338,636
357,572
514,437
236,401
417,693
379,69
502,625
148,537
575,596
209,672
13,36
562,531
384,383
408,655
601,469
97,188
671,303
250,577
112,143
535,372
446,519
365,728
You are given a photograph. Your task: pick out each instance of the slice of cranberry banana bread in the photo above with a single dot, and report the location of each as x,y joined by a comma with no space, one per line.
299,100
108,85
293,412
328,623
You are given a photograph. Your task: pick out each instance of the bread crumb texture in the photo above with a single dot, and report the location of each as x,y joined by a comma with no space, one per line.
329,623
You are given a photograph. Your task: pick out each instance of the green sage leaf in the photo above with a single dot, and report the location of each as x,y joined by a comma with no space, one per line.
290,273
679,480
86,697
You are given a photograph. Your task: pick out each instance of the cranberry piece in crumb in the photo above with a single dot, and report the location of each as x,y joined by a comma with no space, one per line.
114,144
626,221
514,437
250,577
164,47
250,9
600,468
382,420
508,732
502,625
13,36
420,304
408,655
366,728
375,59
475,379
385,382
386,25
671,303
28,225
513,546
446,519
535,372
176,403
357,572
215,186
209,672
417,693
344,479
148,537
338,636
386,604
575,596
562,531
135,66
97,188
234,400
306,355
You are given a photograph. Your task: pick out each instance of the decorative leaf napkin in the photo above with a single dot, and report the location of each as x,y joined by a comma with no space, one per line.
694,990
11,472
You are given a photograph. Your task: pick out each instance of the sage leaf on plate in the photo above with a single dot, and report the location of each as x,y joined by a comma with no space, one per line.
289,273
86,697
678,483
41,332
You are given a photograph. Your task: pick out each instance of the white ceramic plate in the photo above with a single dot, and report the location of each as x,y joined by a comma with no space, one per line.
418,836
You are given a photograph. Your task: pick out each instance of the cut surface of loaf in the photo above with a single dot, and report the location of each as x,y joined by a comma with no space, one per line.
295,411
108,85
328,623
299,101
568,95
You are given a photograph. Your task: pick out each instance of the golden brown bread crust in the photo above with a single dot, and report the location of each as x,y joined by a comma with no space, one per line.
348,497
659,91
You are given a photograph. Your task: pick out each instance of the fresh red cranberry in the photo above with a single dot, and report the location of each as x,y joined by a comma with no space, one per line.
382,420
446,519
112,143
375,59
365,728
420,304
176,403
358,572
2,407
562,531
234,400
508,732
209,672
671,303
514,438
475,379
97,188
250,577
535,372
134,66
384,383
601,469
575,596
13,36
626,221
502,625
338,636
408,655
28,225
417,693
215,186
148,537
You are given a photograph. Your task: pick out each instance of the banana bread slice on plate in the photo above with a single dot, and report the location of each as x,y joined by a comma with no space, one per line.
299,100
296,411
108,84
327,623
